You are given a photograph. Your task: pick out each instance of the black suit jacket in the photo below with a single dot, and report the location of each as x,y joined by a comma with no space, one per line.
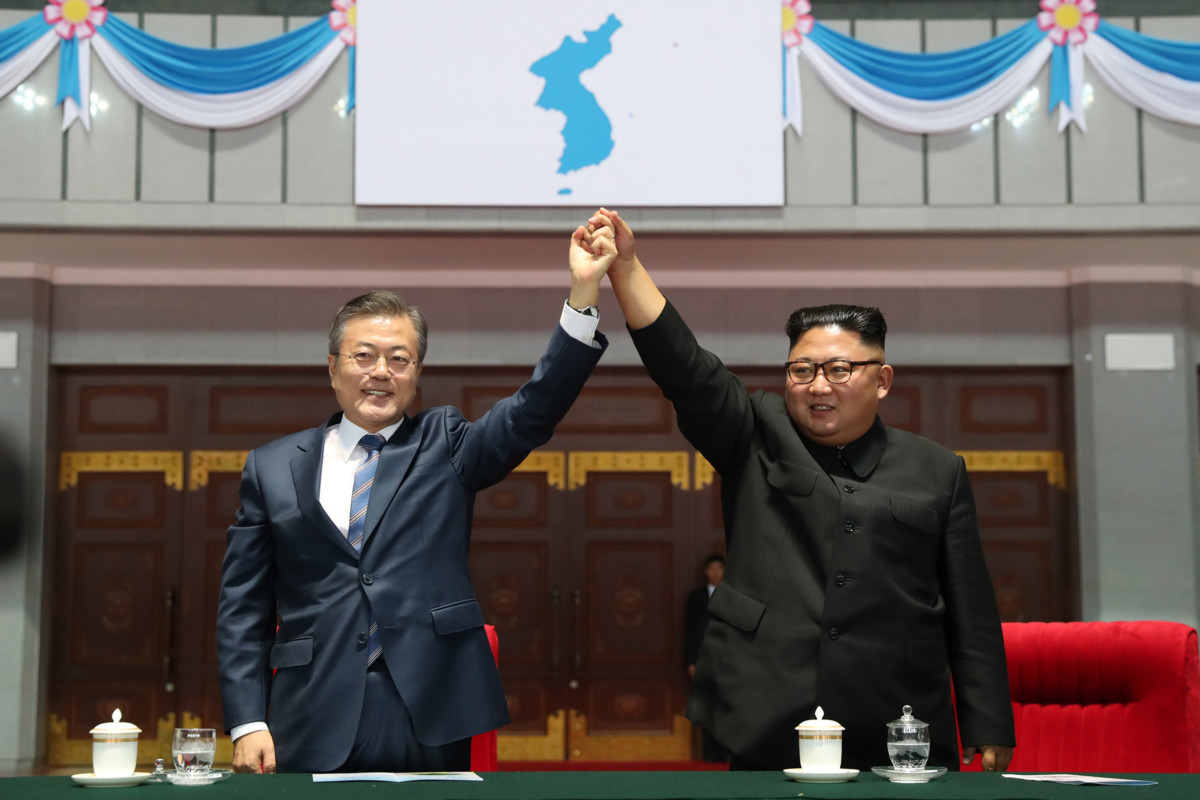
695,622
284,555
858,586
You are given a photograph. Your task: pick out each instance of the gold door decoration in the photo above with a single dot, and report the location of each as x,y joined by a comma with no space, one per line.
548,746
674,462
553,464
204,462
1050,462
628,747
168,462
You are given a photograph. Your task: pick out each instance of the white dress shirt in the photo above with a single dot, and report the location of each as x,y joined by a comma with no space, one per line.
342,457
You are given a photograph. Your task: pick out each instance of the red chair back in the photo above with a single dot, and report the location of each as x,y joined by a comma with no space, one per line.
1104,696
484,757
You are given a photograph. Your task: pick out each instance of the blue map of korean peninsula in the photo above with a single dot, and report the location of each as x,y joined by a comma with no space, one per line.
587,134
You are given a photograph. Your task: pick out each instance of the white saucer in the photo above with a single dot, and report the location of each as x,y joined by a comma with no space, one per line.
92,779
909,776
201,779
820,776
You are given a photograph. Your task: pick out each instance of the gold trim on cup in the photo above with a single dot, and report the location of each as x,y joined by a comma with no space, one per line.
820,736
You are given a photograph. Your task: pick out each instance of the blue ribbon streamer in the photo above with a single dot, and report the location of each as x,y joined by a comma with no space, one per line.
930,76
223,70
68,71
16,38
350,89
1060,78
1181,59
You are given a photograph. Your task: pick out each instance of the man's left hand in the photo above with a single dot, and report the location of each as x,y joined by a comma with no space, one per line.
993,757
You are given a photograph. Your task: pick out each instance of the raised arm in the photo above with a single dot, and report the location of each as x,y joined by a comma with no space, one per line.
710,402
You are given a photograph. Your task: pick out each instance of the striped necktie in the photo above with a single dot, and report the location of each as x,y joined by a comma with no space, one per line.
363,480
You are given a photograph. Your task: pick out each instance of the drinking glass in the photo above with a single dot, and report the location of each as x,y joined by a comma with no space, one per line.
193,750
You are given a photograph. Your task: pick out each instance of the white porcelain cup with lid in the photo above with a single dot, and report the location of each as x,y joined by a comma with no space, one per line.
820,744
114,747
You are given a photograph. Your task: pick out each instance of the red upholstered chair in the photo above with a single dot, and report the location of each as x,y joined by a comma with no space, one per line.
483,747
1104,696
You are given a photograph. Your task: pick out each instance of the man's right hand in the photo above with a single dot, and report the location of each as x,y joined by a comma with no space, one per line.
254,753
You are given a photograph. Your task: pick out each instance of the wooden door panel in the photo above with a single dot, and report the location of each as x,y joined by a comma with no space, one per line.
629,608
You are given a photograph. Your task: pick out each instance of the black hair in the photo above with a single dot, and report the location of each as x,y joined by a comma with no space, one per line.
712,558
867,322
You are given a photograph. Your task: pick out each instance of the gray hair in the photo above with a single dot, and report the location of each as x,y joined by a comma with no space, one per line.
379,303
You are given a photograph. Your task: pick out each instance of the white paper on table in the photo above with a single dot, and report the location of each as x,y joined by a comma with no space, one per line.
394,777
1080,780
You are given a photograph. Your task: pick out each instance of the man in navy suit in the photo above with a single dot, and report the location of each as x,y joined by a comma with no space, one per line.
353,538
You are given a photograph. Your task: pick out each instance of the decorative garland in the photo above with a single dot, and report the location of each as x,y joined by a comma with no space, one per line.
911,92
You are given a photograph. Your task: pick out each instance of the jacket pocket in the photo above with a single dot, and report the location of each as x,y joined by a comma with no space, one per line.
791,478
457,617
914,515
292,653
737,609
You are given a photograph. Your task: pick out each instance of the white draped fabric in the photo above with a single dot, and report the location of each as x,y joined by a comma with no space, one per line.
14,71
1156,92
924,116
220,111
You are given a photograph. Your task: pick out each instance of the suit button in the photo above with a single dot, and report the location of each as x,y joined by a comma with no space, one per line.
840,579
362,638
849,489
368,579
849,526
834,633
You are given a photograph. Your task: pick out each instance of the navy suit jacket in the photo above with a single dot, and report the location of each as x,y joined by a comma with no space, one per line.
285,557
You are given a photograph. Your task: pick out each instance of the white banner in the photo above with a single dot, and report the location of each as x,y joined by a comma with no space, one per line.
543,103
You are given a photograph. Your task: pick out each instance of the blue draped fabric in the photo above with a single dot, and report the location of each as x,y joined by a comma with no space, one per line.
68,71
219,71
1060,78
1181,59
930,76
15,39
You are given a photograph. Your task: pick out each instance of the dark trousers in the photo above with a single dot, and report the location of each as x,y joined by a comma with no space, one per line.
386,741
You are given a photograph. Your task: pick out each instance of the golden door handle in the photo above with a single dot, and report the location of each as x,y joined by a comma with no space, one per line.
168,667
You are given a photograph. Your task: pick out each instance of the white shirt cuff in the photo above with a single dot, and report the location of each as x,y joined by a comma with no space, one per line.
579,325
238,731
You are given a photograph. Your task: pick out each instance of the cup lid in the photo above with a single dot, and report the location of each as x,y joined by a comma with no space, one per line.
820,723
116,726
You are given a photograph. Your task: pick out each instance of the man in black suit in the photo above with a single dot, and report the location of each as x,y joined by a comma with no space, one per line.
354,535
695,622
855,578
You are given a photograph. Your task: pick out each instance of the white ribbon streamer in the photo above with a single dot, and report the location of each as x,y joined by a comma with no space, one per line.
795,111
83,109
1159,93
926,116
220,111
17,69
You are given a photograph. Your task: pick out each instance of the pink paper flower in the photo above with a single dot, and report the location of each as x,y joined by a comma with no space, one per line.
344,18
1068,20
797,21
75,18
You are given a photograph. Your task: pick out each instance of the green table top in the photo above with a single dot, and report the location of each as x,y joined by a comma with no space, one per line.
611,786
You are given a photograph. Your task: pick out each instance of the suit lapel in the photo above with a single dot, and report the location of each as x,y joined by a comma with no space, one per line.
306,474
394,461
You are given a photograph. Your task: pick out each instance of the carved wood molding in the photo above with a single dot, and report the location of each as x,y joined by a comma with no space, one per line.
551,463
673,461
626,747
205,461
168,462
550,746
1050,462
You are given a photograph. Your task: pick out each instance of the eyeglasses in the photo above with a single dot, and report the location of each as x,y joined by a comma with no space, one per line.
366,362
836,371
